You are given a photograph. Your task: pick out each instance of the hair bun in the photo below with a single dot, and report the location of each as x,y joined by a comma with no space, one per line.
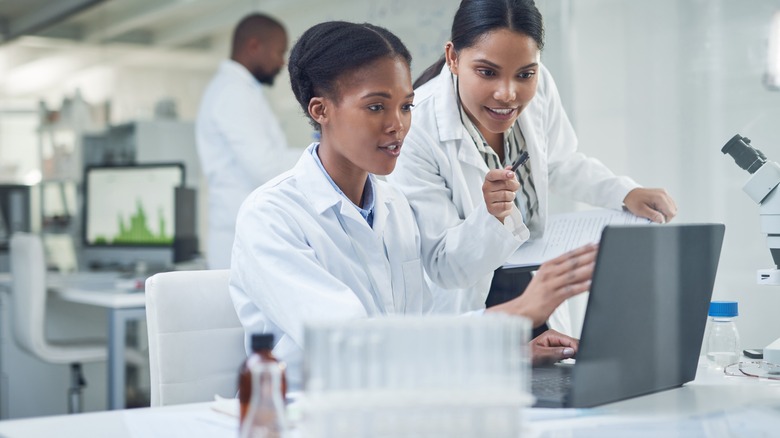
328,50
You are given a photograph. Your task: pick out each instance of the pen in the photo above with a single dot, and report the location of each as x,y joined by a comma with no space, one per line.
520,161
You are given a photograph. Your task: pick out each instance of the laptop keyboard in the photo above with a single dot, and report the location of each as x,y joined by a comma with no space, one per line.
550,383
551,387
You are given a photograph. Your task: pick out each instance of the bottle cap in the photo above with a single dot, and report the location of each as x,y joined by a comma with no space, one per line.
262,341
726,309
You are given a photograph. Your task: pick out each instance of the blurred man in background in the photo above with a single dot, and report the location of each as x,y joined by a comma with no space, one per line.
240,142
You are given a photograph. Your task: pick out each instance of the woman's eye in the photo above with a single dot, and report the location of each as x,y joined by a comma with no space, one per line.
408,107
485,72
376,107
526,75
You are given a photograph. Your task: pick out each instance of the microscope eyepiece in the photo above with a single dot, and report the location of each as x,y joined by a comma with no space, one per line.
746,156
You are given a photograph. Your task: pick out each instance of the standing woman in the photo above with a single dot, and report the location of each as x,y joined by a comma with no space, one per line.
486,102
329,240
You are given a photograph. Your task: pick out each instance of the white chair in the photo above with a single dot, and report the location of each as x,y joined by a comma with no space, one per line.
196,342
28,280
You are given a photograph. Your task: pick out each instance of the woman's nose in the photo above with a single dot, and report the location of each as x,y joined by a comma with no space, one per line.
506,92
396,123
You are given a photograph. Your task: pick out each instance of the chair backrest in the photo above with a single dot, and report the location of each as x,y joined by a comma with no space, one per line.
28,285
196,342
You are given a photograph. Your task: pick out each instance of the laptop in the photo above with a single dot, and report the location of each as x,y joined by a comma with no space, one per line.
645,317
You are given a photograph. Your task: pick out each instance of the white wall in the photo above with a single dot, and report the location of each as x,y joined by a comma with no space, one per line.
658,88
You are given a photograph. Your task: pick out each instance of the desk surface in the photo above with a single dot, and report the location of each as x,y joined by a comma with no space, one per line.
92,288
124,423
96,289
710,393
114,299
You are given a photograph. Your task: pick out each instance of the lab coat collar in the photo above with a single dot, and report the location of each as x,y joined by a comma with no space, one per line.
323,197
448,120
382,200
239,72
446,104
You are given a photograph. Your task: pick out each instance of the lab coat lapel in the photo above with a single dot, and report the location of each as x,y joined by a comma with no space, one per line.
362,241
469,155
371,247
315,185
446,105
459,144
451,128
382,201
382,207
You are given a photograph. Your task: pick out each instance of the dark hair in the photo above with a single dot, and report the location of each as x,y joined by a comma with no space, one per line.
259,26
328,50
475,18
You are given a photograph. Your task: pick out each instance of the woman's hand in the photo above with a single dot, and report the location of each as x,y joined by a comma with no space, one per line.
556,281
654,204
551,346
499,192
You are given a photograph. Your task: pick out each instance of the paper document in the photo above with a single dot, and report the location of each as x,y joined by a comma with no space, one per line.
568,231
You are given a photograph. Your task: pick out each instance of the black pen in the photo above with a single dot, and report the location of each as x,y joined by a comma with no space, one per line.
520,161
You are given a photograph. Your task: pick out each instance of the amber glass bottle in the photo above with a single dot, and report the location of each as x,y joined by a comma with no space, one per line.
262,346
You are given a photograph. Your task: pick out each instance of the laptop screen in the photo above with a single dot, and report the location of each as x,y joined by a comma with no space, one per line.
647,311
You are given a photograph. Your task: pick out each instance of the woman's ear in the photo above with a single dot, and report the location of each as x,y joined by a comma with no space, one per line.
451,57
317,110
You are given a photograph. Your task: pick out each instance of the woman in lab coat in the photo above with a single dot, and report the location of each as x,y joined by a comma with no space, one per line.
328,240
480,107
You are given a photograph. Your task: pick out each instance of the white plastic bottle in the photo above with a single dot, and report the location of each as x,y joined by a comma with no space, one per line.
722,343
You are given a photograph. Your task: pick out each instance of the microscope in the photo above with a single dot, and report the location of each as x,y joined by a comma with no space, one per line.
763,188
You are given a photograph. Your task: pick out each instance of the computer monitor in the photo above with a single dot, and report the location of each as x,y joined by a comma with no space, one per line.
185,237
131,206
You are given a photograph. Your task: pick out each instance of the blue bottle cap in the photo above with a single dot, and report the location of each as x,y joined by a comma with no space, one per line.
726,309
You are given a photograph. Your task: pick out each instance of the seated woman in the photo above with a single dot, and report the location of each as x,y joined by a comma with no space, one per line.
328,240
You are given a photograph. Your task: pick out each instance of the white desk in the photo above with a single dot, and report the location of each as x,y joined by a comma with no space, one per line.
711,392
125,424
99,289
122,306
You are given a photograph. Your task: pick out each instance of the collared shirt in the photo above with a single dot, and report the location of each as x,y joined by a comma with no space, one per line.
368,191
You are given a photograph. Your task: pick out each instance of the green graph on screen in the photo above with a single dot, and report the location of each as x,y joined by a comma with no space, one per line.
136,230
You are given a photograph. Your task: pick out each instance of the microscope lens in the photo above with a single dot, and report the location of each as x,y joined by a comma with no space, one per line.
746,156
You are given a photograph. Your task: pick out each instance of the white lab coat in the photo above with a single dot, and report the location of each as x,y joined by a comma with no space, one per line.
241,146
293,262
441,173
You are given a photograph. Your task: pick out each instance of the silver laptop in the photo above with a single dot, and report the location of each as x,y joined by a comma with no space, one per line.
645,318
